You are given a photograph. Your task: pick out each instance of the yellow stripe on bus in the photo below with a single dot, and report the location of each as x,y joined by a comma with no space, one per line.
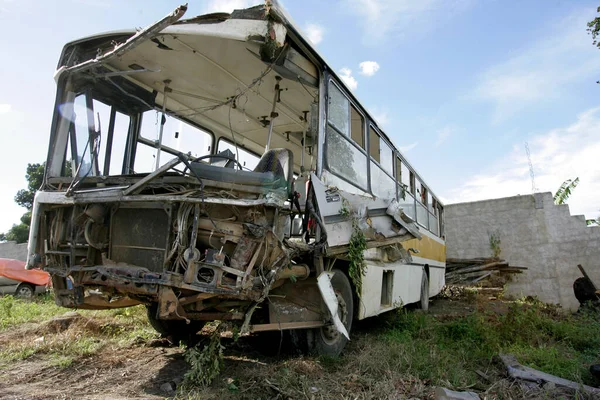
428,248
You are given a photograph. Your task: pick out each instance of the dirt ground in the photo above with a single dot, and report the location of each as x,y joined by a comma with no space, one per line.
149,369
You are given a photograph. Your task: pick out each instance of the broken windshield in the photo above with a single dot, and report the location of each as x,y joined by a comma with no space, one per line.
103,140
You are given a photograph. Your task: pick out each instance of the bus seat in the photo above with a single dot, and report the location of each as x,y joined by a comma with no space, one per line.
280,162
226,159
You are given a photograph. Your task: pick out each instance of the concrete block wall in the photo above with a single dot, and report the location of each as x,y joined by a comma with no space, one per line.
534,233
13,250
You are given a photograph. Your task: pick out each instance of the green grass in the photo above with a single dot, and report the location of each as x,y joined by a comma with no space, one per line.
450,351
118,328
14,311
403,352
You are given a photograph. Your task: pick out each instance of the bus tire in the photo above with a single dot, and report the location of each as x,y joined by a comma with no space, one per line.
175,330
327,340
424,301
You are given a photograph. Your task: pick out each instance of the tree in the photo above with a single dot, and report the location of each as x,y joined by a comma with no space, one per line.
565,190
24,198
594,29
35,177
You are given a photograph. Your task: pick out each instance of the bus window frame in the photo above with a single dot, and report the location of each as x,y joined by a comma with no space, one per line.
140,139
331,80
379,134
224,139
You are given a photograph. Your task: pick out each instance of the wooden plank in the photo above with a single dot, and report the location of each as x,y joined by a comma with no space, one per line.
286,325
479,260
484,267
483,276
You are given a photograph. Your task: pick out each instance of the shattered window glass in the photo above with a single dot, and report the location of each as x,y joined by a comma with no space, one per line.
338,113
345,160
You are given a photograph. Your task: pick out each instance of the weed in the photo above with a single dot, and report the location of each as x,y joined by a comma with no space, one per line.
495,243
205,362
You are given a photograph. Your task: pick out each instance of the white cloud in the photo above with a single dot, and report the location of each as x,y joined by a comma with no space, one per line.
557,155
5,108
230,5
407,148
401,18
542,71
314,32
369,68
443,134
349,80
381,116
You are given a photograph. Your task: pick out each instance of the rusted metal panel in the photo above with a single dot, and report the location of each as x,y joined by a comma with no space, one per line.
139,237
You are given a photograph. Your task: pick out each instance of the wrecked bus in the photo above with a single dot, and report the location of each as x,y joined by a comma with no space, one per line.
216,168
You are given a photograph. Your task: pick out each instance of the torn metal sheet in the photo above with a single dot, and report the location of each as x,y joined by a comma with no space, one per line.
330,299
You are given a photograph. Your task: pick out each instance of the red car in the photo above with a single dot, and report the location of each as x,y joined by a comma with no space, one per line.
15,279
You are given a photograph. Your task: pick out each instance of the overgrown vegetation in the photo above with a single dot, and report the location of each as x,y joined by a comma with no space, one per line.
356,247
452,350
205,361
406,353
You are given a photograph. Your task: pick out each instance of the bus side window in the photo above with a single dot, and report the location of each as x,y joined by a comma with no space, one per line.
373,144
357,127
423,194
343,156
411,184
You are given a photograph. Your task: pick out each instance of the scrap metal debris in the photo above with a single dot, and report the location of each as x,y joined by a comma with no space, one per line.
530,375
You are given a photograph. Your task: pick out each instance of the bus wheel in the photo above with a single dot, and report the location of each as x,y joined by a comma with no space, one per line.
175,330
327,340
424,302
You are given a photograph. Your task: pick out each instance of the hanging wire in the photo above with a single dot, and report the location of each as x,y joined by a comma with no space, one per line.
314,97
254,82
237,153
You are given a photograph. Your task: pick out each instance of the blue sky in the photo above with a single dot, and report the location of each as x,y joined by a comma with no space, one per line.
460,85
